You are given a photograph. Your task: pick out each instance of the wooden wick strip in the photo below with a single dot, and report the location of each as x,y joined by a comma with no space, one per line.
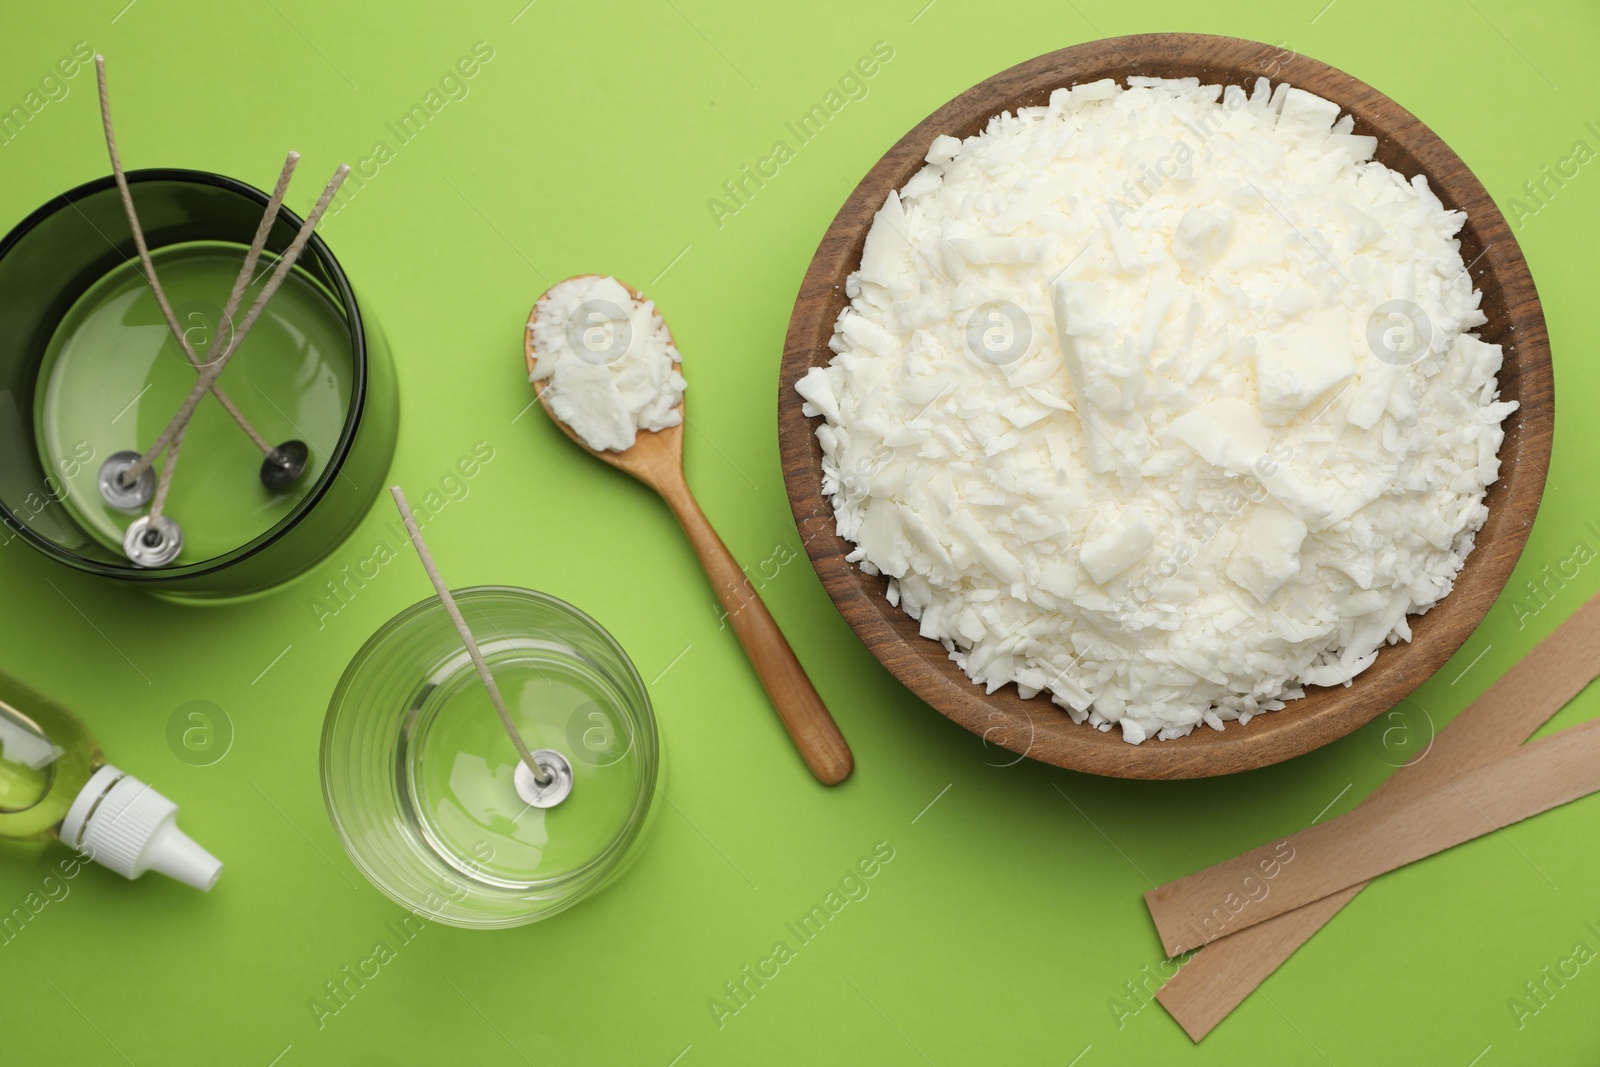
1375,839
1234,966
1221,976
540,776
216,366
150,267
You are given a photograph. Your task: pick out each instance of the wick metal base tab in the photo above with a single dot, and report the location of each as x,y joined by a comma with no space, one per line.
130,496
551,793
152,543
284,465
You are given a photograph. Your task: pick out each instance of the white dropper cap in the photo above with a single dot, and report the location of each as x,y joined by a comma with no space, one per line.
121,823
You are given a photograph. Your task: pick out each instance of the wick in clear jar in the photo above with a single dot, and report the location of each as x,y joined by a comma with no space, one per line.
543,777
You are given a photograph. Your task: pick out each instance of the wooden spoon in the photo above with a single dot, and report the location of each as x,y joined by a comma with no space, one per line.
656,459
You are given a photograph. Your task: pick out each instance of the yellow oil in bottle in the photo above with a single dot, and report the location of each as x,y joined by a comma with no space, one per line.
47,756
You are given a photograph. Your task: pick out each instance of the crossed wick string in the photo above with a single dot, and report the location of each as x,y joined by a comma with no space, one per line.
149,266
541,777
203,384
211,368
246,271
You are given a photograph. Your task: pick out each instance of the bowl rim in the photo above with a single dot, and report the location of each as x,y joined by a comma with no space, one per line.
315,247
1038,728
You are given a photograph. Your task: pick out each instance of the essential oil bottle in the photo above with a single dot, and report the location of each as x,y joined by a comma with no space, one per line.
55,783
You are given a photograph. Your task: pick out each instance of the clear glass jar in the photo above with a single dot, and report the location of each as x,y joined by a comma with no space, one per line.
417,770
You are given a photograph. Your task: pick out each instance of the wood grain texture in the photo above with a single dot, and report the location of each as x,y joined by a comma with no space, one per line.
656,459
1374,839
1037,728
1220,977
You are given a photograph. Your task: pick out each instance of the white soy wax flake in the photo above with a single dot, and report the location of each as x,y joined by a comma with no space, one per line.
1161,399
610,364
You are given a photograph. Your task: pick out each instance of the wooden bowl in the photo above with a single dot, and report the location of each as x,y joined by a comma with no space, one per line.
1038,728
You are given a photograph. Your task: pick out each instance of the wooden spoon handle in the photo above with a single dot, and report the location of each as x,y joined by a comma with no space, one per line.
804,715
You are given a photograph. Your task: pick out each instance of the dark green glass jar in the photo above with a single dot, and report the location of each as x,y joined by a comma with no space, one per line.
80,334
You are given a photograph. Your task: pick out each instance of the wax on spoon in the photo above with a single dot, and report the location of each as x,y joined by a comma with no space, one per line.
656,459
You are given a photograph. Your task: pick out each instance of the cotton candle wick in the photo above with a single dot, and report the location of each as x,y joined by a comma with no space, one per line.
150,269
257,243
159,501
216,366
541,777
282,465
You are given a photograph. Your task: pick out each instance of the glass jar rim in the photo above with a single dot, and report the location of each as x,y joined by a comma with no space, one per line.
550,895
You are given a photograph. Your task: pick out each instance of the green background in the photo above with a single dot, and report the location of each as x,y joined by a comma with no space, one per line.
1010,919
